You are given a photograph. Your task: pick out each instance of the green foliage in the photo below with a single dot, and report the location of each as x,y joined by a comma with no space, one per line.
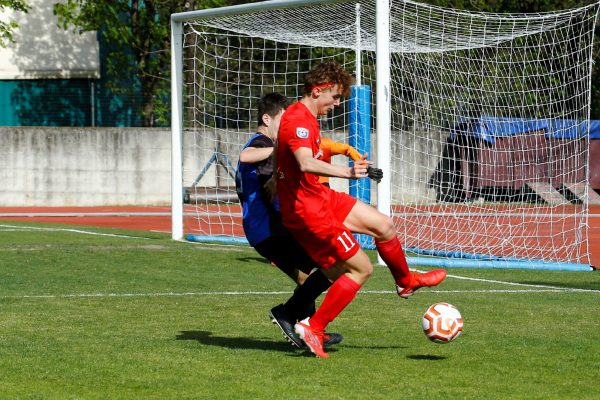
533,6
137,35
506,6
7,27
98,317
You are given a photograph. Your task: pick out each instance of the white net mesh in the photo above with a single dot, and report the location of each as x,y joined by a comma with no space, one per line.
489,118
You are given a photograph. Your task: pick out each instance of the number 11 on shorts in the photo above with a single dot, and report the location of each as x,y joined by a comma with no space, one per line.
345,240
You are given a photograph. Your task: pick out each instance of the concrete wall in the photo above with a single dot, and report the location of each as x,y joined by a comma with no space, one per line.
84,166
43,166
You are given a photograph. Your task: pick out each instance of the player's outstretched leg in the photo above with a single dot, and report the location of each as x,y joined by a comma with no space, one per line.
282,319
341,293
419,280
406,282
301,305
313,338
329,338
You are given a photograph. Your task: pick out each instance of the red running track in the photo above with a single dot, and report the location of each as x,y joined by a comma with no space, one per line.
158,219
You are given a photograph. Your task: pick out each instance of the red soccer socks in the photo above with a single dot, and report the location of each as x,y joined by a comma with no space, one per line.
339,295
407,283
392,254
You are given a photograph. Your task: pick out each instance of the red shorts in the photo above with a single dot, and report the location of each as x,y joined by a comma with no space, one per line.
321,230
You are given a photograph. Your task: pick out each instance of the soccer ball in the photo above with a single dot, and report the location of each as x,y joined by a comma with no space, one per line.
442,323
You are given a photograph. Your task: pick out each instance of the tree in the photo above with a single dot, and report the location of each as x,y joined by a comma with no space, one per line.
7,28
137,36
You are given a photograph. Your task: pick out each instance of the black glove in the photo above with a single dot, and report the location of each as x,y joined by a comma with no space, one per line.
375,173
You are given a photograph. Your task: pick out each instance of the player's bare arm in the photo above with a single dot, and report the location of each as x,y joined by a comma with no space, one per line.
308,163
255,154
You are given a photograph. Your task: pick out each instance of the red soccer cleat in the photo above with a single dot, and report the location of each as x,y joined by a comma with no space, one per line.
419,280
311,337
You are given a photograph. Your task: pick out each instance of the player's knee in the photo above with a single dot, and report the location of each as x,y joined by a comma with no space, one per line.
384,229
360,267
366,270
362,275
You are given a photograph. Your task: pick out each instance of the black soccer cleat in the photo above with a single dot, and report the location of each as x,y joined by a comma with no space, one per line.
281,318
330,338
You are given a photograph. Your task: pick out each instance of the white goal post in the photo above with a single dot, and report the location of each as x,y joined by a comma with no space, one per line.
481,120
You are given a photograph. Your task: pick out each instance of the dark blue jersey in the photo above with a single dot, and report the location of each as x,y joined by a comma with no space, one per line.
260,217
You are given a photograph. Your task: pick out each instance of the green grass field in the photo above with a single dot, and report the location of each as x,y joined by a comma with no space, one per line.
85,316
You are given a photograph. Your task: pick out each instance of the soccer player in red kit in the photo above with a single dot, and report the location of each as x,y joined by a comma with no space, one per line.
321,219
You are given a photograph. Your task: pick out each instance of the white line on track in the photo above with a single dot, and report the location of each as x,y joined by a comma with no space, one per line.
86,214
117,214
239,214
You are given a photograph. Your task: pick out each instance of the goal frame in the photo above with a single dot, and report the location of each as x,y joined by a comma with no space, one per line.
383,123
383,115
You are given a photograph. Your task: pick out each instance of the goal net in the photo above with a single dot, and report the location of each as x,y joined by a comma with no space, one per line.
489,120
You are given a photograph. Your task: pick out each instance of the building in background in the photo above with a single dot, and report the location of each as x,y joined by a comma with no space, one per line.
53,77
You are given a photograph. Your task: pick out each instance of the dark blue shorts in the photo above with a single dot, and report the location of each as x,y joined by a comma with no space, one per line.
283,250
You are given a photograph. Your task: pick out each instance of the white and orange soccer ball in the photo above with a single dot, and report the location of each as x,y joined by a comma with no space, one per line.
442,323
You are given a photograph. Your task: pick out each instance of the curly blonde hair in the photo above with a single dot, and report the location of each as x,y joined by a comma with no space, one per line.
328,73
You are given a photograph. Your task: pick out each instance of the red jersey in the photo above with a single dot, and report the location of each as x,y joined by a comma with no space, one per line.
297,190
312,212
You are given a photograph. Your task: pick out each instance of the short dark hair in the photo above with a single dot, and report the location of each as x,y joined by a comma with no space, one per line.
271,104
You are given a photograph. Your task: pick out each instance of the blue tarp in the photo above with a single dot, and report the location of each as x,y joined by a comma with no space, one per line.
595,129
489,128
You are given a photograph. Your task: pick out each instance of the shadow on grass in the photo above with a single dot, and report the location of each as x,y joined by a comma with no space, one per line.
236,343
247,259
208,339
374,347
427,357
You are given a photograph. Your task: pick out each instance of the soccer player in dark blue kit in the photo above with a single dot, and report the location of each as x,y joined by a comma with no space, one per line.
263,227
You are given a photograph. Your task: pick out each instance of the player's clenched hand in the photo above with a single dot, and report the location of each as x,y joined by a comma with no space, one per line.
360,167
375,173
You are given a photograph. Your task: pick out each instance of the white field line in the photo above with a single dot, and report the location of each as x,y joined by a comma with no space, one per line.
209,246
273,293
164,294
542,287
16,228
548,287
535,288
